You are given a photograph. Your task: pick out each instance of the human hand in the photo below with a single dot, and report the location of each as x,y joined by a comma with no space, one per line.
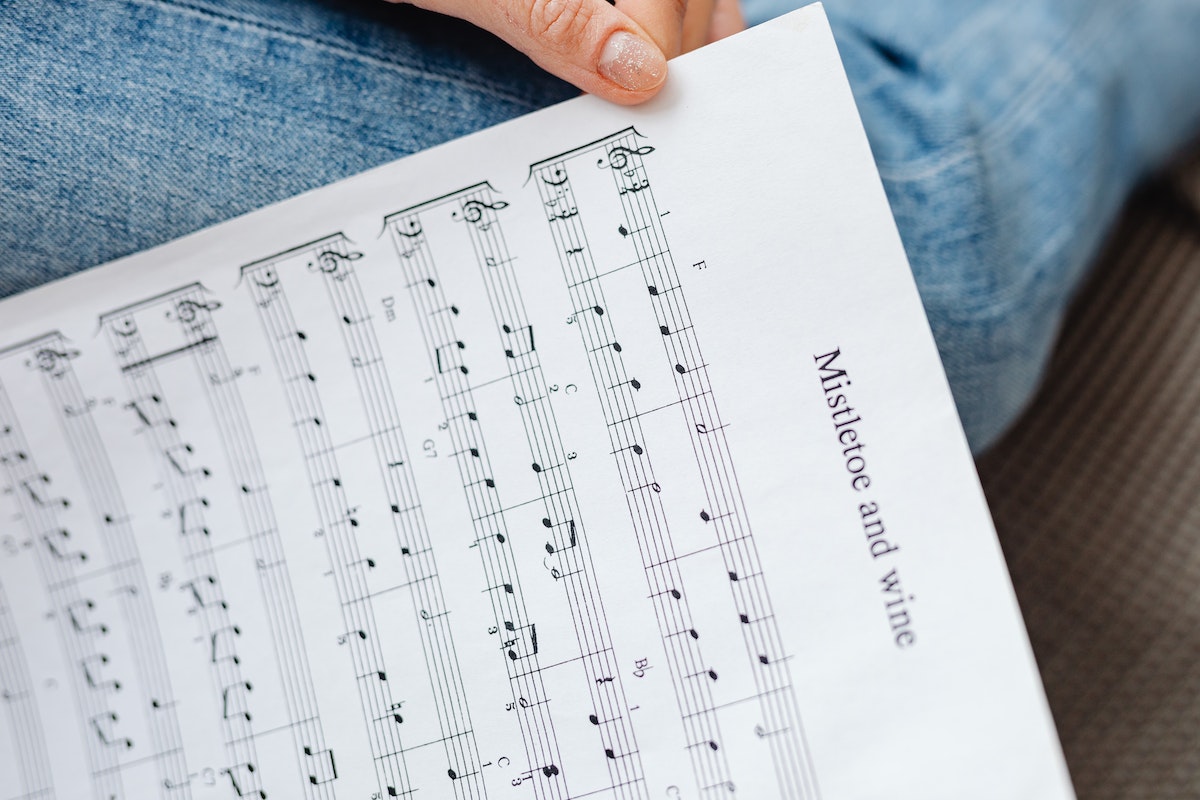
619,54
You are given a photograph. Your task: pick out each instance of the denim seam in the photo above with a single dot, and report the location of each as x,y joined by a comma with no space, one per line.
995,127
343,49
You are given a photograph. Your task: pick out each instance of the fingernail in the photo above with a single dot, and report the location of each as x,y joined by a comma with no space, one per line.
632,62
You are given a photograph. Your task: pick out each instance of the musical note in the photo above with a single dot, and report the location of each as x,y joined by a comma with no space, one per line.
59,554
178,454
224,644
204,592
103,724
520,341
523,642
92,667
557,546
143,416
184,529
323,768
217,380
241,777
449,357
235,701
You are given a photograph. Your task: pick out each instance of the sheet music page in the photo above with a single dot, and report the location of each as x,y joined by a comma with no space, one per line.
603,454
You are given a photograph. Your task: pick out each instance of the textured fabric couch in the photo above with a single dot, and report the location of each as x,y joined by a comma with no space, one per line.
1096,496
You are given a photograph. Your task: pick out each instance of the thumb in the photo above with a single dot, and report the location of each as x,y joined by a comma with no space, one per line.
590,43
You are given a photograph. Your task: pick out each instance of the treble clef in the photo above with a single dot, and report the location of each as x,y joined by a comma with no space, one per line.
472,210
47,358
328,261
618,156
187,309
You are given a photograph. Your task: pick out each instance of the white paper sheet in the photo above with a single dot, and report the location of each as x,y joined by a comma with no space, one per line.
629,470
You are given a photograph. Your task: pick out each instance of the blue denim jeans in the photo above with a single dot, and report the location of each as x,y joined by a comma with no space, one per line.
1008,133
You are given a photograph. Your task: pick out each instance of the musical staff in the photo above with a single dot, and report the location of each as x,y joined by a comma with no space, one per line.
193,315
60,564
495,499
186,480
20,710
51,359
332,260
567,546
448,358
639,229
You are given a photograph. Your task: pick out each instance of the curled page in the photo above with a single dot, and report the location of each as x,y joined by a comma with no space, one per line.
604,454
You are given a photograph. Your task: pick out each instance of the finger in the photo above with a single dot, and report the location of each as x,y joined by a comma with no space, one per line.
697,23
662,19
590,43
727,20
